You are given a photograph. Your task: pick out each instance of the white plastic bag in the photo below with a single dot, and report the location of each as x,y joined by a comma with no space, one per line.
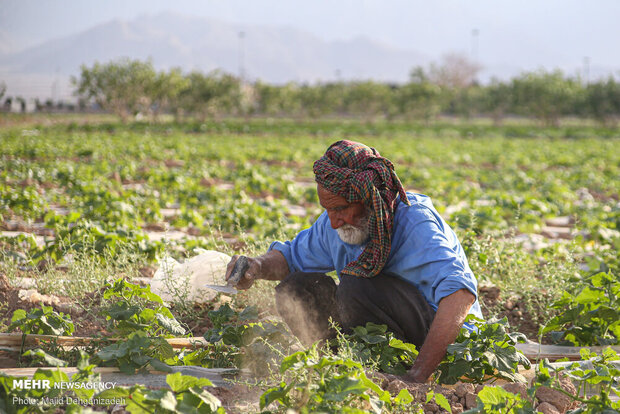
184,282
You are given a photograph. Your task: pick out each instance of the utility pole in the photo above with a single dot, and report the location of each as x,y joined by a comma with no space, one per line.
241,56
586,69
474,44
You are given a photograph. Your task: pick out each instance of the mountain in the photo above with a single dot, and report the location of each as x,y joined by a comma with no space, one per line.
272,54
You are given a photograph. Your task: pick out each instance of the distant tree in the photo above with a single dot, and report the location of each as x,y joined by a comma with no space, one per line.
454,71
211,95
8,103
165,89
2,89
497,100
121,86
545,95
419,98
22,103
276,100
322,99
467,101
368,99
602,101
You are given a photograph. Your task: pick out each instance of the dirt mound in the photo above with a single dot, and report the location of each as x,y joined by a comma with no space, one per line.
86,323
520,316
463,396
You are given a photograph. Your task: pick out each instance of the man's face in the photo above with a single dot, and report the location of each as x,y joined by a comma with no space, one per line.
350,220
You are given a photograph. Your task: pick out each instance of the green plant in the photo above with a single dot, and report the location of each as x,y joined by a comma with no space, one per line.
138,352
599,371
326,383
440,399
40,355
488,352
16,398
134,308
496,400
252,345
44,320
591,317
374,347
186,395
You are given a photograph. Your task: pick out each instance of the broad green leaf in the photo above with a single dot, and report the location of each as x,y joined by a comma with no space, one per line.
159,366
398,344
495,395
291,361
111,352
171,325
588,296
274,394
211,400
49,359
249,313
181,383
443,402
18,315
163,398
404,397
340,388
121,311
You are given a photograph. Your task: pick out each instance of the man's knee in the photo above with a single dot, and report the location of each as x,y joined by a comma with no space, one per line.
311,287
306,301
352,300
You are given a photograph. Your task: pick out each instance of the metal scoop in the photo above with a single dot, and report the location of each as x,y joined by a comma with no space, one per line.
241,266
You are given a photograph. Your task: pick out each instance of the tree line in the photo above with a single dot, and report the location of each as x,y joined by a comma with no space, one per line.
127,87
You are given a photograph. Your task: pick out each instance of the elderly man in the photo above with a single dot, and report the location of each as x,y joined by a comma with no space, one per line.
397,261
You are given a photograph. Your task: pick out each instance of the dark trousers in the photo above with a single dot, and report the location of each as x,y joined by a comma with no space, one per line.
306,301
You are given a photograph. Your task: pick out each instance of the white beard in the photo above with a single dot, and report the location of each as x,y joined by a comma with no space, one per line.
351,234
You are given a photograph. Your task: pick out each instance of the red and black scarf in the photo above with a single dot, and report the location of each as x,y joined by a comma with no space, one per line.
359,174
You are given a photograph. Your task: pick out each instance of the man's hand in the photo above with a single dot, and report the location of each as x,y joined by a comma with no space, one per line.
446,326
270,266
247,280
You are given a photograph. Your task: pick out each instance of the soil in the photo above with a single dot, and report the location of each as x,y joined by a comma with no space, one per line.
241,398
515,310
462,396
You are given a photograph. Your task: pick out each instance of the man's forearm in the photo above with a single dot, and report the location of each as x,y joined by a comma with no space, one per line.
272,265
446,326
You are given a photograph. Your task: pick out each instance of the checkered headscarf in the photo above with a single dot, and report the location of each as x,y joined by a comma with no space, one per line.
359,174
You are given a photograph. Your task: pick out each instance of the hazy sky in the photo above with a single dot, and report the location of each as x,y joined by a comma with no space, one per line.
529,33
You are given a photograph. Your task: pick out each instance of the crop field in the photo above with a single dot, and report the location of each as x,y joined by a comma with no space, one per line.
89,212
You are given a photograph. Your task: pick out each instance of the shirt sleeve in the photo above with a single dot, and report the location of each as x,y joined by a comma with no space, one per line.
434,261
309,251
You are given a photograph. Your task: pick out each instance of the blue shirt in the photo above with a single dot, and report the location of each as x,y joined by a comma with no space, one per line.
425,252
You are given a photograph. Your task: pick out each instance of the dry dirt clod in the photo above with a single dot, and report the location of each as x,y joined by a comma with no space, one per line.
470,400
395,386
516,388
4,283
560,401
547,408
430,407
69,308
147,271
34,297
462,389
457,408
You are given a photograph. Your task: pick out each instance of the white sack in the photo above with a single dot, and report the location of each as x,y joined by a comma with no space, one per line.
175,281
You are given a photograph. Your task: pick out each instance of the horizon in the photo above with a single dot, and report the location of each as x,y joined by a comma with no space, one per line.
503,39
